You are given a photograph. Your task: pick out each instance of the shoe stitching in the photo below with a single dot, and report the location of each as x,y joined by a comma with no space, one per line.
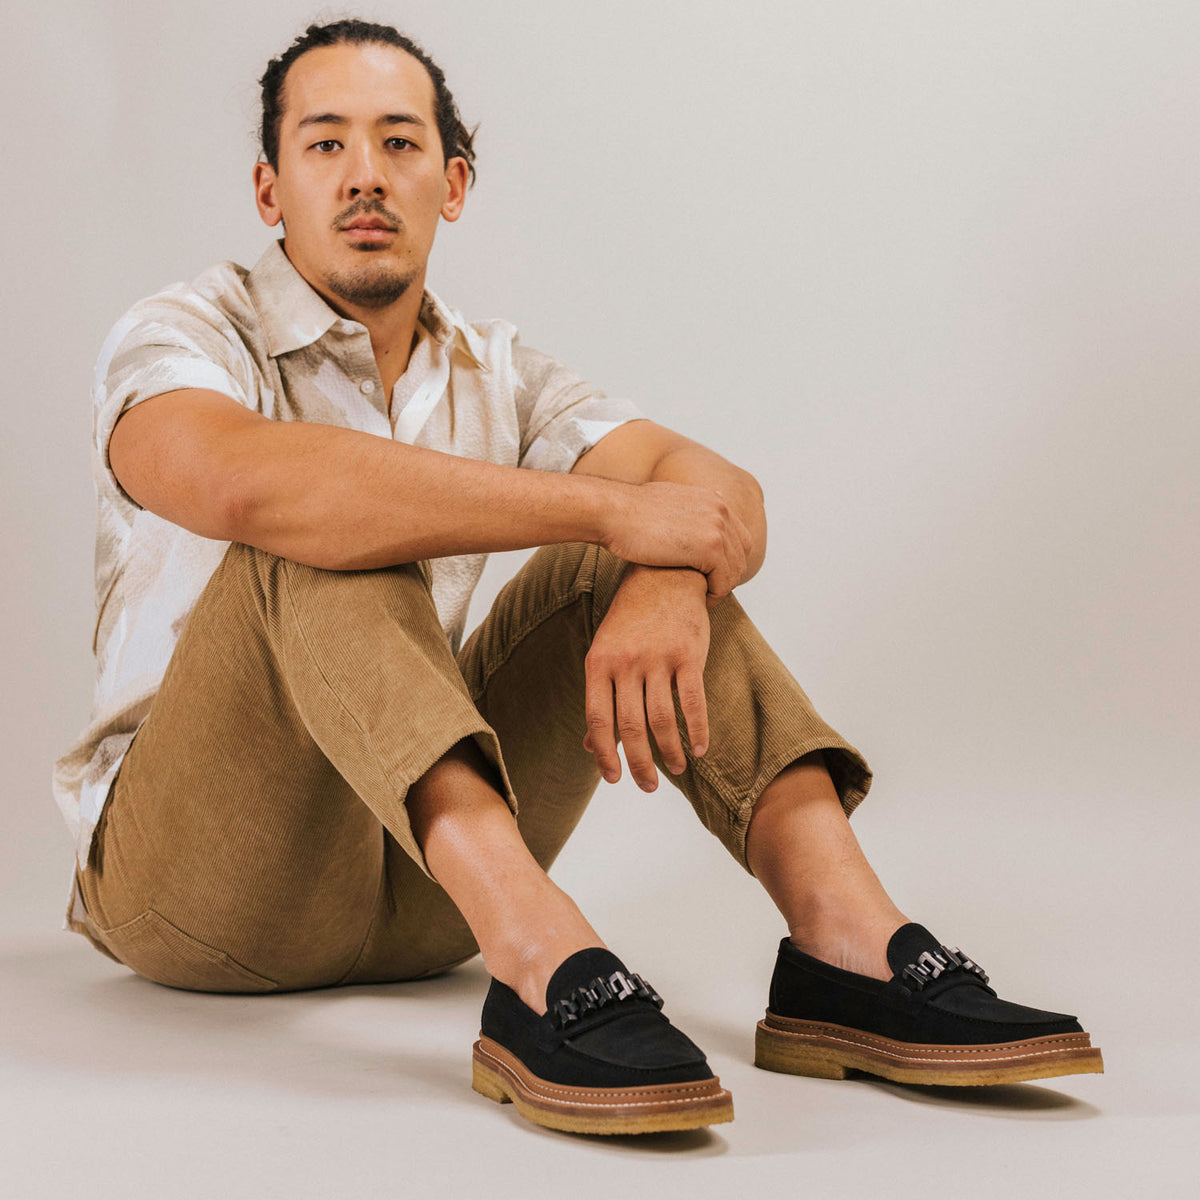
614,1092
915,1058
864,1042
879,1038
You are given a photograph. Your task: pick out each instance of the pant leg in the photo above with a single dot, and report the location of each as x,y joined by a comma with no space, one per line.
524,667
257,824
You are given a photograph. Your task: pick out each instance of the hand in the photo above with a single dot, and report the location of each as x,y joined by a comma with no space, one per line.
654,634
662,524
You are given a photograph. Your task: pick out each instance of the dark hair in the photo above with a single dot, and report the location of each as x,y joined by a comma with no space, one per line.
457,139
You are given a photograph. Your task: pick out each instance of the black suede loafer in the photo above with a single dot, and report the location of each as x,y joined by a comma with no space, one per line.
603,1059
935,1021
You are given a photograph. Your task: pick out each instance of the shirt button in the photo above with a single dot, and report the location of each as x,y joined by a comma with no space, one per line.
367,386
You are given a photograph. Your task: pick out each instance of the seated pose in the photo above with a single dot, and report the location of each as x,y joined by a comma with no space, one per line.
298,774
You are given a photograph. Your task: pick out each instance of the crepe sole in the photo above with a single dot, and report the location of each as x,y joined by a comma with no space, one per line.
826,1051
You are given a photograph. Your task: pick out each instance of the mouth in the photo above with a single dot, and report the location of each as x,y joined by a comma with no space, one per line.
369,229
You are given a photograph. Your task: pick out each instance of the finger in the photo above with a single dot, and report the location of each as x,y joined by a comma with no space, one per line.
689,683
719,583
744,533
631,728
660,712
598,714
719,576
734,566
742,543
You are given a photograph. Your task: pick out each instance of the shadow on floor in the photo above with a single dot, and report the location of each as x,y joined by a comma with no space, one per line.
1022,1101
68,1007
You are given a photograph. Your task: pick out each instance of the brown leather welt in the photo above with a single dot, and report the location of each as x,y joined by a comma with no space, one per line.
657,1096
810,1030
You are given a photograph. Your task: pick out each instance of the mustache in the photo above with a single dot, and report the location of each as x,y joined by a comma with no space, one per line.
361,208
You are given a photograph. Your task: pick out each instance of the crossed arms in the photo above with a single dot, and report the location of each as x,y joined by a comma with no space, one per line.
690,524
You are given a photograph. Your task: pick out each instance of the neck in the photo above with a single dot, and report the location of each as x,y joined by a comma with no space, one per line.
393,329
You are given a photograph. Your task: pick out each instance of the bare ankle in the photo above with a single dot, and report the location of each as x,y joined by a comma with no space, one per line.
527,952
852,940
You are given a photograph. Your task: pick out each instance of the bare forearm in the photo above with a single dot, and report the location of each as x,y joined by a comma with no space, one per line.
343,500
339,499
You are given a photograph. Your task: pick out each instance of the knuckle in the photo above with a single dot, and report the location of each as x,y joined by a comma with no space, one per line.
618,661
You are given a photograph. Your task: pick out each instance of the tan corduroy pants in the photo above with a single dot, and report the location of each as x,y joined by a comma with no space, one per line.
256,838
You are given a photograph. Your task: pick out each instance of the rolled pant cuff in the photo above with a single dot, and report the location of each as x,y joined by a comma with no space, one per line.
432,751
847,768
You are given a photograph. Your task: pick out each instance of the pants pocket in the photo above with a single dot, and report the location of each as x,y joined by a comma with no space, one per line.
162,952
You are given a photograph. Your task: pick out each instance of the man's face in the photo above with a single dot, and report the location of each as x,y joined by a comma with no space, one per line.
361,179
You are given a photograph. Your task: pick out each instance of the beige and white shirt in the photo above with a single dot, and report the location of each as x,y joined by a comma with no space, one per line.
268,340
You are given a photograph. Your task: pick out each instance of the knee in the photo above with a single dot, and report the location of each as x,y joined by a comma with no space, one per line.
397,595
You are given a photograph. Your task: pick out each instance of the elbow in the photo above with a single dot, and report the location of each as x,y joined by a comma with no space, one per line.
251,513
237,507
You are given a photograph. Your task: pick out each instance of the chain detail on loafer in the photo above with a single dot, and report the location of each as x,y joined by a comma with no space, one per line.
589,997
935,1021
931,963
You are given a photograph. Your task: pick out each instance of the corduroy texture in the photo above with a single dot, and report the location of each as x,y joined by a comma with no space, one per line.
257,839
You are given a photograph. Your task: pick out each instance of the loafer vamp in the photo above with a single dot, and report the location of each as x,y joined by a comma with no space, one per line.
638,1040
975,1003
957,1005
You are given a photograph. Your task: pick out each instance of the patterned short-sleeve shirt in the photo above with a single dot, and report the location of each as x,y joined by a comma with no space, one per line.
265,338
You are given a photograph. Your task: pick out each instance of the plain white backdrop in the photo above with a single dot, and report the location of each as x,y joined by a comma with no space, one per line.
932,272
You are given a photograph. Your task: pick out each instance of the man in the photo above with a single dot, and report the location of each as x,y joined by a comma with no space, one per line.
297,775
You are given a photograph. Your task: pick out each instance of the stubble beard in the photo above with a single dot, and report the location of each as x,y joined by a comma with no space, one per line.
371,286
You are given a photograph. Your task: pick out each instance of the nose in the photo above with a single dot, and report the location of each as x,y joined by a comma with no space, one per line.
365,175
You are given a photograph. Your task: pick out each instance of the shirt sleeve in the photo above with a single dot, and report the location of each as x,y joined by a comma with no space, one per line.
176,339
561,417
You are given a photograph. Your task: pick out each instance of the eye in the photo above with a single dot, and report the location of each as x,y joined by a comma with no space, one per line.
326,146
400,143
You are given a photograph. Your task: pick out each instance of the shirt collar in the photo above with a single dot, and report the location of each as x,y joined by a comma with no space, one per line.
449,329
294,315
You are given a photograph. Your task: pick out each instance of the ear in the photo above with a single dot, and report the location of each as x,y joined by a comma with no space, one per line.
265,180
457,174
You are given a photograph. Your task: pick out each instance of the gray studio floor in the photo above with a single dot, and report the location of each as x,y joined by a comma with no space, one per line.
115,1087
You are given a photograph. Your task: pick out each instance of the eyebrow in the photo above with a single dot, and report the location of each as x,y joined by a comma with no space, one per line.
330,118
